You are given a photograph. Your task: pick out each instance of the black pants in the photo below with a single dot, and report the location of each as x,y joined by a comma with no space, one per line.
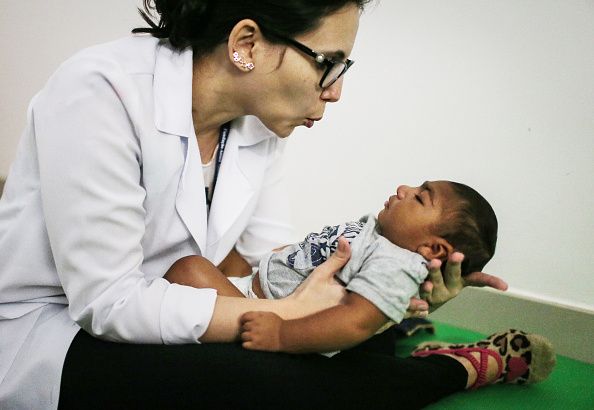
104,375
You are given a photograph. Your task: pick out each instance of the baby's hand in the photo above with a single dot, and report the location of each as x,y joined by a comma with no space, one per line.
261,331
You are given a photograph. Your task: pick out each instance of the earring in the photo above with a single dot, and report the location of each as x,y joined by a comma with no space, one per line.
238,59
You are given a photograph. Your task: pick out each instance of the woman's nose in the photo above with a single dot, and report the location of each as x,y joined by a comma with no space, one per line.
332,93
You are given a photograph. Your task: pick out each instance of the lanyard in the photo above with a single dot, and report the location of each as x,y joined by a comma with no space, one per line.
223,135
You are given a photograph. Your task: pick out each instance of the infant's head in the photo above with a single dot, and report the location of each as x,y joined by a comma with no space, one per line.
438,218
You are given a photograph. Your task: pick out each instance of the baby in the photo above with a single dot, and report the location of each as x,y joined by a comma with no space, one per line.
389,255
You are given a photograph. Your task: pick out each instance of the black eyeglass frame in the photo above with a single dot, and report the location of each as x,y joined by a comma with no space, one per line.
320,58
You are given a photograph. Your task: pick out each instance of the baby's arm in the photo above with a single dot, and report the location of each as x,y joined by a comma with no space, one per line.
336,328
199,272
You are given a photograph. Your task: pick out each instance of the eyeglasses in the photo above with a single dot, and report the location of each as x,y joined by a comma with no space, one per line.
334,68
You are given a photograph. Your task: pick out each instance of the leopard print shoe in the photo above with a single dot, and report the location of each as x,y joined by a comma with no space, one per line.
522,357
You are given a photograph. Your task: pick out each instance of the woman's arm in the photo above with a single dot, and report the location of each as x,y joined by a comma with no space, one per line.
318,292
336,328
90,166
87,123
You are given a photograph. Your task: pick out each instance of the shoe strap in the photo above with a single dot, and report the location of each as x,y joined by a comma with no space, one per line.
466,352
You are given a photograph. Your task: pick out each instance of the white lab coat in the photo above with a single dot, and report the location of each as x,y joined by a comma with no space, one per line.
106,192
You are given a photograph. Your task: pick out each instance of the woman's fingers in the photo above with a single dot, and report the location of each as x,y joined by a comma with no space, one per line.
417,308
453,271
420,307
439,288
482,279
336,261
427,287
320,290
435,276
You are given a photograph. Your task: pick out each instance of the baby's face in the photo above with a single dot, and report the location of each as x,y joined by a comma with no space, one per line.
409,218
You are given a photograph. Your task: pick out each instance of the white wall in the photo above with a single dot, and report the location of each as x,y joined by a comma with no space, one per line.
496,94
35,37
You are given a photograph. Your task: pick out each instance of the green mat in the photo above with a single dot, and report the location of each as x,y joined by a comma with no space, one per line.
570,386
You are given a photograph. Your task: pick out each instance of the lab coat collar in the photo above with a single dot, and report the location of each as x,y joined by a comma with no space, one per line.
173,90
173,115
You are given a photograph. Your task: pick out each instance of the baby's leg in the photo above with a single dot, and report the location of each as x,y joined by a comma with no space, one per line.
235,265
199,272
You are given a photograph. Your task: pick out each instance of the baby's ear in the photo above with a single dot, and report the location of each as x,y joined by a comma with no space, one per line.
436,248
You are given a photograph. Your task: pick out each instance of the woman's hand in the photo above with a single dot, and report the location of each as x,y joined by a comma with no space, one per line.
320,290
439,288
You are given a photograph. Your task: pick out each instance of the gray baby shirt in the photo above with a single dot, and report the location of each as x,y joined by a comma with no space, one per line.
383,273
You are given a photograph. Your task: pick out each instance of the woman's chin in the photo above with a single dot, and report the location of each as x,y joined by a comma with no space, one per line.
284,132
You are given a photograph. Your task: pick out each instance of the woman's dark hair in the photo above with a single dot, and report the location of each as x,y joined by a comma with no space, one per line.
204,24
471,228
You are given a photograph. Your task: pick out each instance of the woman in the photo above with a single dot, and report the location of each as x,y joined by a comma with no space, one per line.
112,185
